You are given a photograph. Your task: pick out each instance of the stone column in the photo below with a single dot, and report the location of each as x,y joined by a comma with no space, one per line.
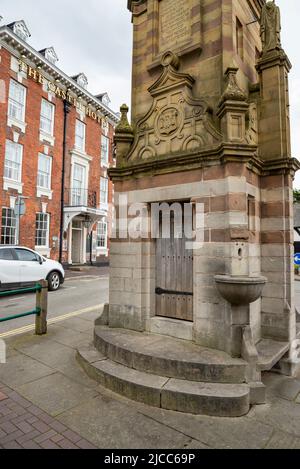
278,309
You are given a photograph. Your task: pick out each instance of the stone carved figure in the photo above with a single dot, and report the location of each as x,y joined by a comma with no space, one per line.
270,27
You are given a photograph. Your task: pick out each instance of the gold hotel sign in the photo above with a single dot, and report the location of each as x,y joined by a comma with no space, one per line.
36,75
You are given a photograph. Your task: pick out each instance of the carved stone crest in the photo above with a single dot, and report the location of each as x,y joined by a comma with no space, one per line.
168,121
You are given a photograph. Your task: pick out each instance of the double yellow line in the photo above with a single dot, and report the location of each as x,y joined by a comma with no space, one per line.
31,327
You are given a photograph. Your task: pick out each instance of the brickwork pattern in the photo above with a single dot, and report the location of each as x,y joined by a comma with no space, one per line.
25,426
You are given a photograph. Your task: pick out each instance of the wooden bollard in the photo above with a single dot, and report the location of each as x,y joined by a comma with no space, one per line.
42,303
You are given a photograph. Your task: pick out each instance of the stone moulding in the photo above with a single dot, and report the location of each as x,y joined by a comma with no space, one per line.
222,154
272,58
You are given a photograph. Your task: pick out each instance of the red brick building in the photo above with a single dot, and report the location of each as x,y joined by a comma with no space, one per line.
56,144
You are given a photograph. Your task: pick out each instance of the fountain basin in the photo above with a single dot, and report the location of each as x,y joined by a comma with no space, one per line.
240,290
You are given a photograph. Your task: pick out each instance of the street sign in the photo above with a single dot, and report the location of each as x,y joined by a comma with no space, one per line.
297,259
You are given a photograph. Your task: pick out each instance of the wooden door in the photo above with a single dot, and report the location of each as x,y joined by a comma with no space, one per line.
76,246
174,276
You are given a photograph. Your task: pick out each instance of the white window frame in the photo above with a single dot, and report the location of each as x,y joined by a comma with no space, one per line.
102,202
80,147
79,192
44,135
46,191
12,227
9,182
106,145
12,120
105,127
84,161
102,234
47,230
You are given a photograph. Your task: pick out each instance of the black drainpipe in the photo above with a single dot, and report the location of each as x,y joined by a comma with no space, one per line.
67,109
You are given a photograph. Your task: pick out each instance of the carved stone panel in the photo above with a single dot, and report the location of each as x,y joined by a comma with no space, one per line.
175,26
177,122
252,129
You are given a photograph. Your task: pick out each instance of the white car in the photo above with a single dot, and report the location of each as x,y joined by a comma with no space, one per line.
20,266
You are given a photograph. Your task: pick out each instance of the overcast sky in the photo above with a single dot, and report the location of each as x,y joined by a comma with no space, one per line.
95,37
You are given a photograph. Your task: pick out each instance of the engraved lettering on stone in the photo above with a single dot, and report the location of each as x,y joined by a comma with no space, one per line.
174,22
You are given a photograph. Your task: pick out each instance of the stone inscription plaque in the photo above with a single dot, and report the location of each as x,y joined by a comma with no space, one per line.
174,23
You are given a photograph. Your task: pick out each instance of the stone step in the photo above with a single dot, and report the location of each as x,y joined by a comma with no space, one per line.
224,400
166,356
270,352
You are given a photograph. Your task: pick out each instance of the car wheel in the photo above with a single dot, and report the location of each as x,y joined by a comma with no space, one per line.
54,281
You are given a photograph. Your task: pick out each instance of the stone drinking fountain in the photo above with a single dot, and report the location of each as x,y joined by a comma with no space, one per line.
240,291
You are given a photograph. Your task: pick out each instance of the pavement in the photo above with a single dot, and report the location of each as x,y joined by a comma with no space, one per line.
46,400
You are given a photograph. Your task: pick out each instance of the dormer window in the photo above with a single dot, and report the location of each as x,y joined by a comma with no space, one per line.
20,29
82,80
104,98
50,54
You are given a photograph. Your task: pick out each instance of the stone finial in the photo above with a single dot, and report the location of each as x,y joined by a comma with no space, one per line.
270,27
124,137
124,126
232,91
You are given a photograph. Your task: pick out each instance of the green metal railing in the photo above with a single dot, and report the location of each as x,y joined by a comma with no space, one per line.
38,287
40,311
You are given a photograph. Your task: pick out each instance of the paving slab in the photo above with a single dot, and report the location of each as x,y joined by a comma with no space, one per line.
280,414
288,389
21,369
215,432
68,337
91,316
59,357
281,440
111,424
46,351
78,324
68,366
56,393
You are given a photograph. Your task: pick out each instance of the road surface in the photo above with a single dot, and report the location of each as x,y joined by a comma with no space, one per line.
78,293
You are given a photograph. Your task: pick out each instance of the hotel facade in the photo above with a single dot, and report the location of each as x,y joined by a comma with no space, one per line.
56,145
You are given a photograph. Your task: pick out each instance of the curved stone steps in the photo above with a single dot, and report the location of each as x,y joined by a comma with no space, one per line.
166,356
225,400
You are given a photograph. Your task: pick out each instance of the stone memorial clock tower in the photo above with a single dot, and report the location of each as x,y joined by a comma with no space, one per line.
191,325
